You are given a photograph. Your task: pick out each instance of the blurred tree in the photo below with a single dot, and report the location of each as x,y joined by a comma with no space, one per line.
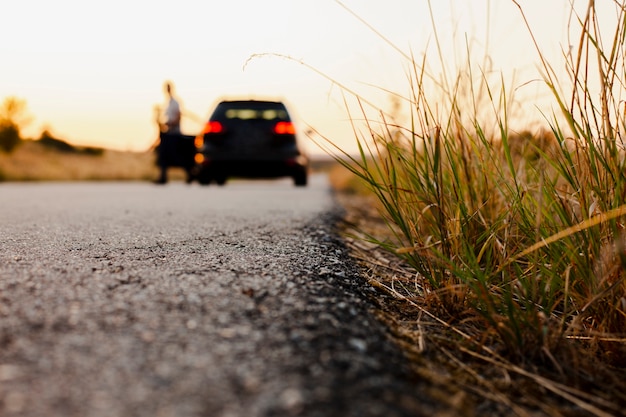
9,136
12,117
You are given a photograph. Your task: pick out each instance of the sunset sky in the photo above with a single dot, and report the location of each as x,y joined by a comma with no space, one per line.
92,72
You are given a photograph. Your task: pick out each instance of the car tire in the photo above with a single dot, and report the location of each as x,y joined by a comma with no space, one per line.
300,179
220,180
204,178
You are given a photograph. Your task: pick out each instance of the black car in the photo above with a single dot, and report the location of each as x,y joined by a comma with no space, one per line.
250,139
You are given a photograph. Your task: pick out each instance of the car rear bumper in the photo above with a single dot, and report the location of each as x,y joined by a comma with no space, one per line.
255,168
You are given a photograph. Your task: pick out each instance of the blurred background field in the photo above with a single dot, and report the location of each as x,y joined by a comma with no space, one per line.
36,161
56,160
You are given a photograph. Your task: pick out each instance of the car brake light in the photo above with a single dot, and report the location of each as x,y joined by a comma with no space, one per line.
284,128
213,126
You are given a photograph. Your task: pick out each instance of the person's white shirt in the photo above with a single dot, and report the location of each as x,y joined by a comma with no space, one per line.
172,116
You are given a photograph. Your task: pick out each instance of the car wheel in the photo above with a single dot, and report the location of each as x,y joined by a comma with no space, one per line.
220,180
300,179
204,178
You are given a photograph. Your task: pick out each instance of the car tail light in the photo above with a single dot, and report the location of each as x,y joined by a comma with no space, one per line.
214,127
284,128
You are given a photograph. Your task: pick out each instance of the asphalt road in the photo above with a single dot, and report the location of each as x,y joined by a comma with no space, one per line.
131,299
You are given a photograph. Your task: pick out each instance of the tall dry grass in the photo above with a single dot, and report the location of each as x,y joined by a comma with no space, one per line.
519,237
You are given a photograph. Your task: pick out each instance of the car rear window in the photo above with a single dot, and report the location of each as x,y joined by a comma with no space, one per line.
252,111
249,114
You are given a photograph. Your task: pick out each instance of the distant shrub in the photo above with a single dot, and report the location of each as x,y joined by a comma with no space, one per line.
92,151
9,136
46,139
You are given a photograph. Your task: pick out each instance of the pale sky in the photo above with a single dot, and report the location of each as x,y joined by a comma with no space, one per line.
92,71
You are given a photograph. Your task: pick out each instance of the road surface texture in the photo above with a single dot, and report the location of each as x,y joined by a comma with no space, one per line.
131,299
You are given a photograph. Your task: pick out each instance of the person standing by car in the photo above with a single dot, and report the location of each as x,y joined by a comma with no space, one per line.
169,128
172,111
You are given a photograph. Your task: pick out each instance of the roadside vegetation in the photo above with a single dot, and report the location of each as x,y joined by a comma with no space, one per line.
508,248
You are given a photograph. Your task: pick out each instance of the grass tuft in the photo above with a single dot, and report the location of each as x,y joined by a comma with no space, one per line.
518,238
